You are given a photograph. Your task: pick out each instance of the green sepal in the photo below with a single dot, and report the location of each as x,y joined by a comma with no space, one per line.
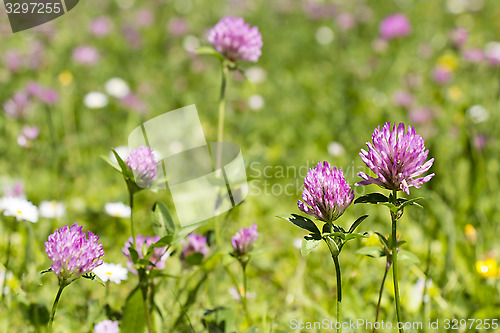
372,198
357,223
308,245
371,251
300,221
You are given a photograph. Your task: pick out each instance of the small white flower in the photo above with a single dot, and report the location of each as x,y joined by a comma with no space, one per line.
477,114
492,52
190,43
324,35
256,74
52,209
256,102
117,209
20,208
111,272
106,326
297,243
95,100
236,294
117,87
335,149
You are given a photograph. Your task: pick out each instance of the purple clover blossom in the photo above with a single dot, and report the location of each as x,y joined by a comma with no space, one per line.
86,55
73,253
17,106
396,158
244,239
195,244
107,326
158,257
141,161
236,40
326,193
395,26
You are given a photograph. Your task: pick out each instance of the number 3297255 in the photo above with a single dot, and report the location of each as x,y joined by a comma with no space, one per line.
478,324
33,8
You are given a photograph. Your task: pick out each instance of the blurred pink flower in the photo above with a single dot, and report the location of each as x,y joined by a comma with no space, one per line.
134,103
16,190
177,26
195,244
421,115
86,55
16,107
132,36
402,98
12,60
479,142
101,26
441,75
316,10
45,95
458,36
395,26
346,21
30,132
158,257
473,55
144,18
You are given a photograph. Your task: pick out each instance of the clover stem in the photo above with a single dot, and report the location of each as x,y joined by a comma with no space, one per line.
394,217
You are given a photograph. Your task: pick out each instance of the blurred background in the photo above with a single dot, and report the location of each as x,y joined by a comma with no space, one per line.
74,88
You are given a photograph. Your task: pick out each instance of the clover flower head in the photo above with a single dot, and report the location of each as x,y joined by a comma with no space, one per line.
244,239
397,158
158,257
195,244
395,26
236,40
141,161
73,253
326,194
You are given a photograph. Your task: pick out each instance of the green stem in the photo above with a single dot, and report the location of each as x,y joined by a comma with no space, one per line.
339,293
131,200
146,308
220,136
395,259
222,103
6,268
54,306
387,267
245,292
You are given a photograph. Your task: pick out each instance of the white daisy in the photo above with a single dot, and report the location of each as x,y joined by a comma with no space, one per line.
256,102
117,87
111,272
52,209
20,208
335,149
117,209
95,100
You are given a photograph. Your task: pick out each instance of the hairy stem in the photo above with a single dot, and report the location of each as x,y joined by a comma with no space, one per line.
387,267
339,293
394,218
54,306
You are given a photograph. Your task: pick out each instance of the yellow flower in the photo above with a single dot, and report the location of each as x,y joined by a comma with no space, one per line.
487,268
470,234
455,93
371,241
448,61
65,78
